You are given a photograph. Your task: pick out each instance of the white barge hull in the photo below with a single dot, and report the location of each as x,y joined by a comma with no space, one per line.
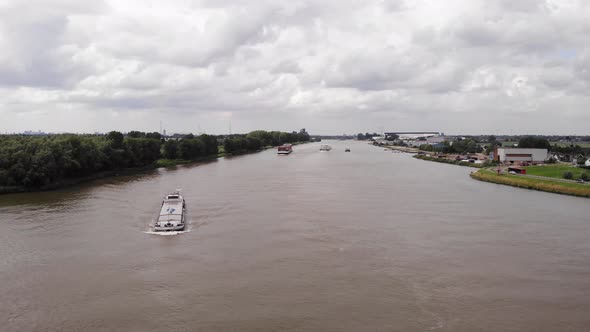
172,214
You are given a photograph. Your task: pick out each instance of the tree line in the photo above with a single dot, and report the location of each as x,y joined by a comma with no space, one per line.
460,146
36,161
190,147
366,136
259,139
471,145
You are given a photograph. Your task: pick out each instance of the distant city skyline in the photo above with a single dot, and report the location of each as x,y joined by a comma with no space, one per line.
457,66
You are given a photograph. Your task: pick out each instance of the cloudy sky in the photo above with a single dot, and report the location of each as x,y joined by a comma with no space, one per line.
331,66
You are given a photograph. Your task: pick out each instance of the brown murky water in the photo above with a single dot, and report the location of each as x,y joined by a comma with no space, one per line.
324,241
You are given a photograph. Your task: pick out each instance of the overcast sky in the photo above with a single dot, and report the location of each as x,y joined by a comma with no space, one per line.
341,66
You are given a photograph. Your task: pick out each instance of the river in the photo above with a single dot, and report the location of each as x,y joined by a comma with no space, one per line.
314,241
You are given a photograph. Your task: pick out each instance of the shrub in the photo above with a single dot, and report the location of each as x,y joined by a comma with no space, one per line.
568,175
585,176
489,163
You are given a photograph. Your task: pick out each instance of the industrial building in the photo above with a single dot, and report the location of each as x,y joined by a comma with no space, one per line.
520,155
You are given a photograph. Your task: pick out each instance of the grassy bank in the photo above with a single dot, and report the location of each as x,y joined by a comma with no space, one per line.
555,171
557,187
448,161
170,162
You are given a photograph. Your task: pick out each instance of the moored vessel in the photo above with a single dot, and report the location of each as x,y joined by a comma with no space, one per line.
172,213
285,149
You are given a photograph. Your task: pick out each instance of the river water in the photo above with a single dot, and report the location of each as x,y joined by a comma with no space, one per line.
324,241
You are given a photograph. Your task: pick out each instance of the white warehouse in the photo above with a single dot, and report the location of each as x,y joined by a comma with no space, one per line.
517,154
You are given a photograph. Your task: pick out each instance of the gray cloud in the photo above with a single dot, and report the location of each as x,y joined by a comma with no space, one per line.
331,66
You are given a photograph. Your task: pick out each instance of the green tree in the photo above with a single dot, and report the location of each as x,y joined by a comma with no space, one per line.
154,135
116,138
426,147
534,143
38,161
171,149
190,148
135,134
253,144
392,137
211,147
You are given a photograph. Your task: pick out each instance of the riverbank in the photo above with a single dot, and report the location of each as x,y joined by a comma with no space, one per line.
547,185
175,162
160,163
401,148
62,183
556,186
448,161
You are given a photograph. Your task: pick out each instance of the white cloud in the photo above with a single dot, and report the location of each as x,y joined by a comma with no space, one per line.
331,66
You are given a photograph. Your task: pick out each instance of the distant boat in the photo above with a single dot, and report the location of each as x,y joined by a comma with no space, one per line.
325,147
172,213
285,149
347,150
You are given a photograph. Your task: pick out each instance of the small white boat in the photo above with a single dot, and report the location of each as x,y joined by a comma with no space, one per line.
172,213
325,147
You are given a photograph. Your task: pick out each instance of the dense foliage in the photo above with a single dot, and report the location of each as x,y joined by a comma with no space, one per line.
534,143
190,147
36,161
258,139
459,146
366,136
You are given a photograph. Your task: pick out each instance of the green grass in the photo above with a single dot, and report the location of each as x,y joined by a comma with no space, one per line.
170,162
564,144
555,171
552,186
220,151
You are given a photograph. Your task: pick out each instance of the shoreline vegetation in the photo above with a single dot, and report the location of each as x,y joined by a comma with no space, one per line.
548,178
447,161
546,185
42,163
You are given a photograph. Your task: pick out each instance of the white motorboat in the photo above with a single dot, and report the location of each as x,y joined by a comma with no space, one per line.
172,213
325,147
